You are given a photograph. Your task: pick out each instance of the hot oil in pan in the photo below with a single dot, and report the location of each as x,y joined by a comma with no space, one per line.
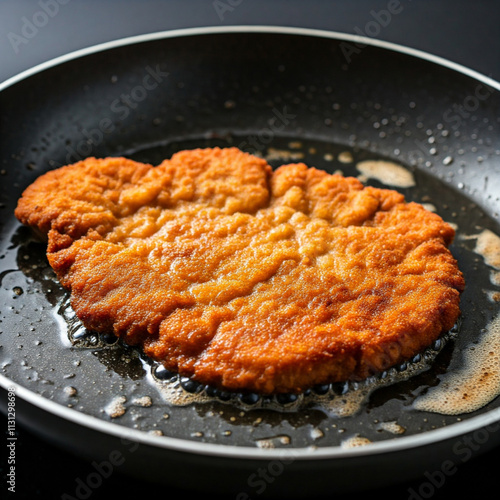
349,398
338,399
378,408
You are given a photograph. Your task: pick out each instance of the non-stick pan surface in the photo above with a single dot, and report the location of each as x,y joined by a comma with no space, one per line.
328,100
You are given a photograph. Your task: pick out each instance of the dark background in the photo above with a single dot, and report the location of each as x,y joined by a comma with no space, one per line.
464,31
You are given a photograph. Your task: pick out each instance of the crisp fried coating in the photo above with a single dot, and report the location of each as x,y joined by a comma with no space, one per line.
243,277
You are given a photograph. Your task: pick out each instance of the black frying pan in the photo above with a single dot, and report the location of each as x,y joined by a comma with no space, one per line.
286,94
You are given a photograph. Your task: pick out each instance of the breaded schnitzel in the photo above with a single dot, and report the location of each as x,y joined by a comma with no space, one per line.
243,277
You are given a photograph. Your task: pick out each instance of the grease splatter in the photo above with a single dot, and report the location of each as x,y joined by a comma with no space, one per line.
472,387
386,172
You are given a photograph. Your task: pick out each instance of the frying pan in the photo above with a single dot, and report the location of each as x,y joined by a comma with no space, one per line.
285,94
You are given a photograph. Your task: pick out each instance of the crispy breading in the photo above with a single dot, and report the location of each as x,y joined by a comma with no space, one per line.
243,277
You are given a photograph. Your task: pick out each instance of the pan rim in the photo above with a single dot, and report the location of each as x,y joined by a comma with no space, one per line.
246,452
285,30
399,444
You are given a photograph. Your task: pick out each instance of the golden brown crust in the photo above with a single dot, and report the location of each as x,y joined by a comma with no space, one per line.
243,277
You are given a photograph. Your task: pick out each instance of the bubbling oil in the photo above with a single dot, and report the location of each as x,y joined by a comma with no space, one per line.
386,172
475,384
488,246
338,399
355,442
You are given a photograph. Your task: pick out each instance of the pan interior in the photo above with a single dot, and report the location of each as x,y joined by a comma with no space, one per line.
57,354
288,98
